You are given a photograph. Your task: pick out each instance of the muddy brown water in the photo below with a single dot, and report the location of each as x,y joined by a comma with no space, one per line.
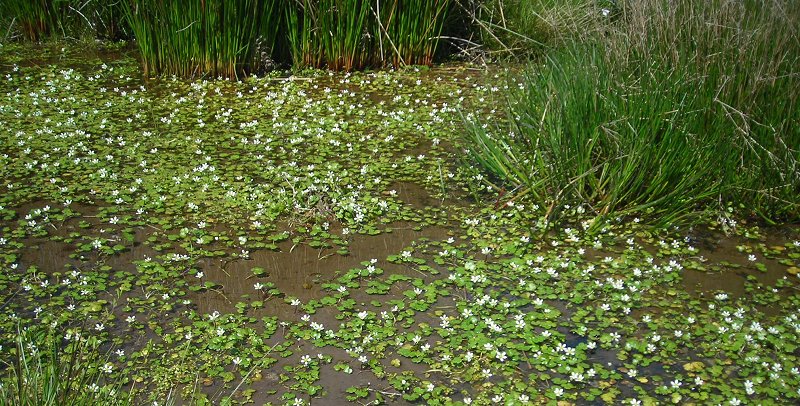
299,271
415,195
734,268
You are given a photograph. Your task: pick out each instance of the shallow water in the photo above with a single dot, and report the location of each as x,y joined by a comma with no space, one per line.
381,151
299,270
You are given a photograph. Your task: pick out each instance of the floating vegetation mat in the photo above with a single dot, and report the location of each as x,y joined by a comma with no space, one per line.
314,239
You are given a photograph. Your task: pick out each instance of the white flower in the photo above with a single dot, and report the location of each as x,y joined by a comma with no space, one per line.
748,387
501,356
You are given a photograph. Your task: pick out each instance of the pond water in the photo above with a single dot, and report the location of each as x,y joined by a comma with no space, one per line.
317,238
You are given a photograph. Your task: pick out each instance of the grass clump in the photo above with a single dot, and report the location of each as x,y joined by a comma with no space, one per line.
45,369
677,107
354,34
327,33
216,38
37,20
234,38
525,28
411,28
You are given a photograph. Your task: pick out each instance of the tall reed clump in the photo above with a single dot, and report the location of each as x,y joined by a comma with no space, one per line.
328,33
47,370
410,30
210,37
677,107
37,20
354,34
34,18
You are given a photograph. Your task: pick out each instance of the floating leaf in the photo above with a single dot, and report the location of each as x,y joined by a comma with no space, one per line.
694,366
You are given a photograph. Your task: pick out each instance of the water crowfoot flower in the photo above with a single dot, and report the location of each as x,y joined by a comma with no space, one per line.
748,387
501,356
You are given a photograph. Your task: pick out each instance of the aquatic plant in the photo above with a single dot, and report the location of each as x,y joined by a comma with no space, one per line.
307,239
39,19
328,33
301,31
408,30
47,369
214,38
359,33
34,18
665,121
